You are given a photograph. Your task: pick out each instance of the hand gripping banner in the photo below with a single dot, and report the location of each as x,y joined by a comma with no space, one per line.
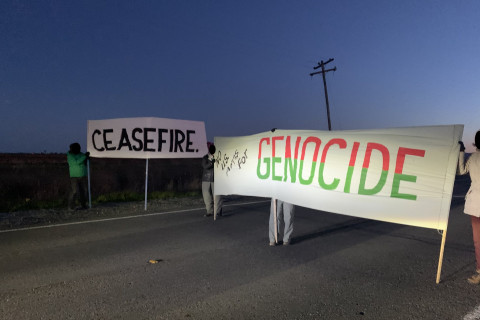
398,175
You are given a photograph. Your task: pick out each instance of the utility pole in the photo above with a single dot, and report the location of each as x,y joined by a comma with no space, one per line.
322,65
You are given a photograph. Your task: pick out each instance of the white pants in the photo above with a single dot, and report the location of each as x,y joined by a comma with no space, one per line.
285,214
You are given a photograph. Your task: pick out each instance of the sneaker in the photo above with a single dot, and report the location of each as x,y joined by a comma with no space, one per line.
475,279
208,215
286,243
272,244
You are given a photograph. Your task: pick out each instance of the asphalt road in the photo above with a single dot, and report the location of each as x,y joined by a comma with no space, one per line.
338,267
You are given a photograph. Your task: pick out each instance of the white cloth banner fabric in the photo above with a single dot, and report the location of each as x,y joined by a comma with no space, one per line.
399,175
146,138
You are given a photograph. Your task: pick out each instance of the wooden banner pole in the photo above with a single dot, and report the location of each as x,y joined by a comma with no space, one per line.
440,259
214,203
275,221
146,184
88,181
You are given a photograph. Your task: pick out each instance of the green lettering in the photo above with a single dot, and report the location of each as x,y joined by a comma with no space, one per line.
267,174
321,181
377,188
348,179
312,173
292,165
276,160
396,186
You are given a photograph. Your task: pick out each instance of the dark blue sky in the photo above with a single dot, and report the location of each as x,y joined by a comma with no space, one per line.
241,66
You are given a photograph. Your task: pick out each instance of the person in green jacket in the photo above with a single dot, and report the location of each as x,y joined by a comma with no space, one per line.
78,176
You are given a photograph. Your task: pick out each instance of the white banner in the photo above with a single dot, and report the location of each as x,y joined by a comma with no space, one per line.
146,138
399,175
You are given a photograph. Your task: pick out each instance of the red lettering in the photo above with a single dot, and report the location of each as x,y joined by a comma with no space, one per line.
382,149
288,148
260,146
274,139
353,156
341,143
317,142
402,152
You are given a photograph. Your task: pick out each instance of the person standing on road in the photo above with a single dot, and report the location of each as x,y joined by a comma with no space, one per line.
78,176
285,213
211,202
472,198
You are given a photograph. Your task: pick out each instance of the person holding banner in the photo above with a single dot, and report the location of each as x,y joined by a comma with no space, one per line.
284,217
211,202
472,198
78,176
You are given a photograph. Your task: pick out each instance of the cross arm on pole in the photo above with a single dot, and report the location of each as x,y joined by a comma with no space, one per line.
318,72
321,64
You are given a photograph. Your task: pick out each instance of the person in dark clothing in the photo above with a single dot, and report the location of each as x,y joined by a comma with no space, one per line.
212,203
78,176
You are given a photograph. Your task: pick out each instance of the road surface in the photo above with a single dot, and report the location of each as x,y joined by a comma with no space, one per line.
338,267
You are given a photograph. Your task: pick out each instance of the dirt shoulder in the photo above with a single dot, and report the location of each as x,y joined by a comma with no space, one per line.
30,218
33,218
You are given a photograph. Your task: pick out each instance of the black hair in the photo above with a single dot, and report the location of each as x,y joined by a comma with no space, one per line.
212,149
477,139
75,148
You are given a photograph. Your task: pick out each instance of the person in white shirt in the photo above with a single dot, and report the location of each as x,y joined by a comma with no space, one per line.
472,199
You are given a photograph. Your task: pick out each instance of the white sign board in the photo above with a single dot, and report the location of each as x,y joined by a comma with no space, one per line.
146,138
399,175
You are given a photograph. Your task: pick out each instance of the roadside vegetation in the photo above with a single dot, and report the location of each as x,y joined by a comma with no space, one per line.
41,181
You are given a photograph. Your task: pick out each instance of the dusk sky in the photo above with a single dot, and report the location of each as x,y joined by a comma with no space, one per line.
242,67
